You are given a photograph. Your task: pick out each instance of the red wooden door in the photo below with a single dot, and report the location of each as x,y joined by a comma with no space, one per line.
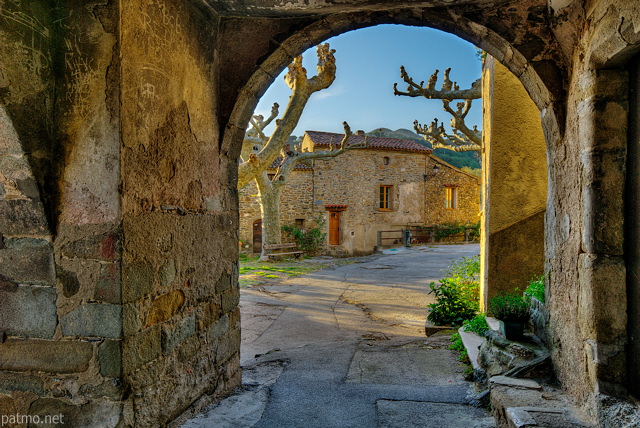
334,228
257,236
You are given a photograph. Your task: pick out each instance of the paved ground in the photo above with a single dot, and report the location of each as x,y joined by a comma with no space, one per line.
345,347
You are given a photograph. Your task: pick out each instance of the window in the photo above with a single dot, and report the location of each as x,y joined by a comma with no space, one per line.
300,223
385,197
385,160
452,198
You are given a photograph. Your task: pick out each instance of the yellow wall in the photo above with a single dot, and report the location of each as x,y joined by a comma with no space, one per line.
514,184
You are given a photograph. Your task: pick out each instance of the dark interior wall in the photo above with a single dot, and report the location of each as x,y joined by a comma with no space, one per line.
632,227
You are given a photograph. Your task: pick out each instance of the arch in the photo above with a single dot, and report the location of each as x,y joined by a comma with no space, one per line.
547,94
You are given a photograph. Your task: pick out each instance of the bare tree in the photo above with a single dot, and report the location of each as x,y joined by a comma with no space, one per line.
461,139
270,188
255,162
259,151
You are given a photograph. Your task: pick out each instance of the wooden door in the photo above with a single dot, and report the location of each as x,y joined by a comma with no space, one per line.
632,228
257,236
334,228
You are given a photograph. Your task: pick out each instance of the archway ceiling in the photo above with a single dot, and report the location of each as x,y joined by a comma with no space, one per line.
301,8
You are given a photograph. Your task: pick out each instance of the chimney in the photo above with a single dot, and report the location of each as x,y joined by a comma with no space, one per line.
359,132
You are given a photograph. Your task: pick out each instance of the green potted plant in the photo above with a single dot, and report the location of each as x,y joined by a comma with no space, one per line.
513,312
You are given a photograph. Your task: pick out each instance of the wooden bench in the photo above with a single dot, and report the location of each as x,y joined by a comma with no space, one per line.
282,250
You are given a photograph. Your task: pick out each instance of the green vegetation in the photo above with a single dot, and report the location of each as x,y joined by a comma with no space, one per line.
477,324
310,239
535,289
455,228
510,307
457,345
457,295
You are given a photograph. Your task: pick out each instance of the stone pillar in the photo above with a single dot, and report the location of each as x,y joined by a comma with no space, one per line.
514,184
118,230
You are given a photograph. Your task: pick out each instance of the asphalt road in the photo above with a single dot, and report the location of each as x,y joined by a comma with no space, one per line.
345,347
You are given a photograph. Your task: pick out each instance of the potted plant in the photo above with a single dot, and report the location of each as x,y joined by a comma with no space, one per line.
513,312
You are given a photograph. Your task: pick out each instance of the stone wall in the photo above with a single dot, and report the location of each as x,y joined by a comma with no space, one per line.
585,228
296,202
180,296
514,186
118,254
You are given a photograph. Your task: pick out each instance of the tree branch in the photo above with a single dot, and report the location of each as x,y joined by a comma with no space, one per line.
448,91
302,88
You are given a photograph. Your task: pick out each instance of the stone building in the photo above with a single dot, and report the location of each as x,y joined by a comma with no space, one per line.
120,129
393,186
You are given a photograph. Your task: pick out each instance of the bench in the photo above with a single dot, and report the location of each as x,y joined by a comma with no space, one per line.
282,250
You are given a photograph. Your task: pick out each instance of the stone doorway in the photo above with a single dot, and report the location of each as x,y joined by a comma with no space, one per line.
632,225
257,236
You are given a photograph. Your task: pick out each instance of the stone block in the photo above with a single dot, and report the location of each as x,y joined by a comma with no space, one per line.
102,414
93,319
110,388
110,358
22,217
45,355
602,295
168,272
230,300
104,247
27,260
10,382
223,284
164,307
602,194
29,311
108,288
131,318
219,328
141,348
137,280
69,281
173,336
207,314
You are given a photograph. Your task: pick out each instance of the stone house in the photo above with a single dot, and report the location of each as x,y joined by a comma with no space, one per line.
121,124
386,187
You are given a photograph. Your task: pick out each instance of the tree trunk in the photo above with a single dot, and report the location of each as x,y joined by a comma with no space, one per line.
269,200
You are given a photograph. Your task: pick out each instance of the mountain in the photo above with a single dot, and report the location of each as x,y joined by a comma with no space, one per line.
457,159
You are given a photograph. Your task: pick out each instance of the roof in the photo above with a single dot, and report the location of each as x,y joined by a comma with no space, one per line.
327,138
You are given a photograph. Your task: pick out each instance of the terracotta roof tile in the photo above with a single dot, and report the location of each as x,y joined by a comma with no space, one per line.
325,139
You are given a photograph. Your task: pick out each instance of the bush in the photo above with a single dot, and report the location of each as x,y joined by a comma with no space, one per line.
451,229
456,296
477,324
309,240
535,288
510,307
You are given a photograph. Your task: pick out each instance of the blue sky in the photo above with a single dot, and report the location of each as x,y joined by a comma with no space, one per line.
368,64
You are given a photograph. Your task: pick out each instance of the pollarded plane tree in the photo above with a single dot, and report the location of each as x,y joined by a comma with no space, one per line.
259,152
461,139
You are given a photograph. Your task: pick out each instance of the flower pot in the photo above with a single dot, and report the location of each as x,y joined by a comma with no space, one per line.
512,330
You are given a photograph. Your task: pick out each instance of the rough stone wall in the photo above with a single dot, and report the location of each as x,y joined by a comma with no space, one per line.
180,295
514,186
585,218
70,143
295,203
